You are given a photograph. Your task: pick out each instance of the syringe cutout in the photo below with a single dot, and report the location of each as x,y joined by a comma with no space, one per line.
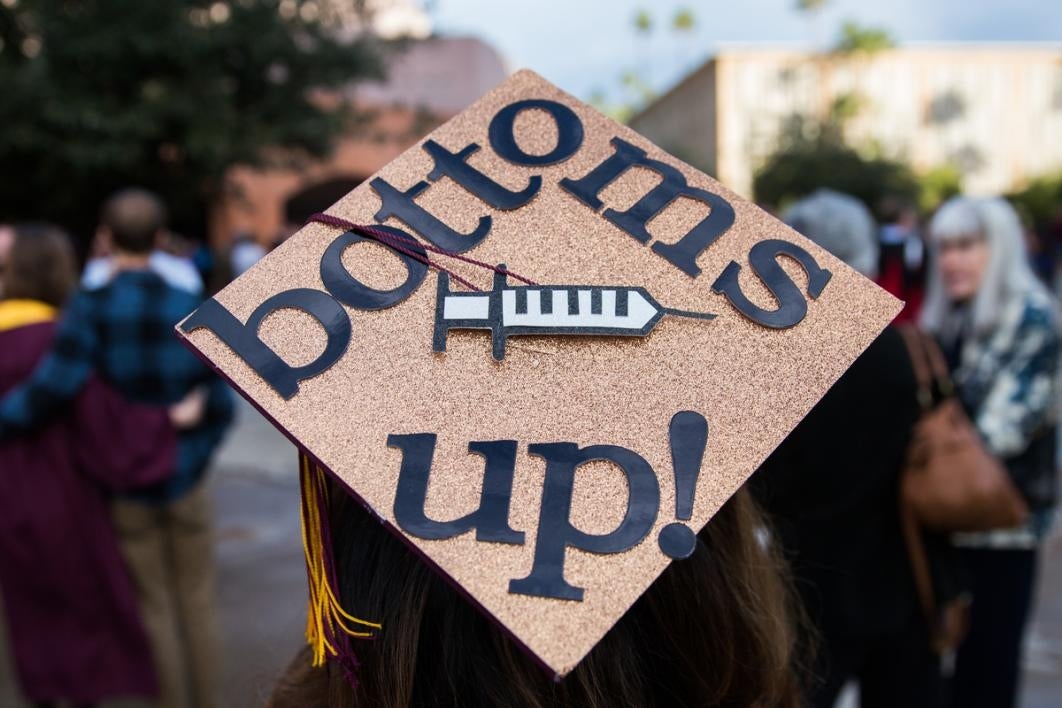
603,311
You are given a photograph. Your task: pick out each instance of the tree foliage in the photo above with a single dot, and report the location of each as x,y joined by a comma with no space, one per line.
166,94
801,165
814,151
937,185
684,20
1040,200
856,39
635,90
643,21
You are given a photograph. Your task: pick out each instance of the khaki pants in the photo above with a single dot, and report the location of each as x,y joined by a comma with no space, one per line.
169,550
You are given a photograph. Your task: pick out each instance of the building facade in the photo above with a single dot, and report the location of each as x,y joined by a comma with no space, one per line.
428,81
992,111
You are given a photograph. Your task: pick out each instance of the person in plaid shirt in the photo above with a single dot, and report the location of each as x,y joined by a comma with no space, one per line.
124,333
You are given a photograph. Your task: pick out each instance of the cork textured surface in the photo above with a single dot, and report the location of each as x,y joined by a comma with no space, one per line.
751,383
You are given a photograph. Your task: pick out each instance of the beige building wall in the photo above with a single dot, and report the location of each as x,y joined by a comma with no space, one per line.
994,111
683,121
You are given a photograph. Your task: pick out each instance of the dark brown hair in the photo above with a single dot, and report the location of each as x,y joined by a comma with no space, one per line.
135,217
716,629
41,266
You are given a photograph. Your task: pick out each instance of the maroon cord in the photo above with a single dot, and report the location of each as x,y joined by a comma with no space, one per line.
400,243
391,240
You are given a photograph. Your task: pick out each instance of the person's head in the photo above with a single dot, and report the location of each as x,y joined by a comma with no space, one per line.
839,223
133,220
40,265
979,259
959,237
894,209
715,629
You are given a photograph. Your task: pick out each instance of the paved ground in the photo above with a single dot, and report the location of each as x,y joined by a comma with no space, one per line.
262,585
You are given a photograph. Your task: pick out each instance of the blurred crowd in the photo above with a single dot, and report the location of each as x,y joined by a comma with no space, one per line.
107,425
920,612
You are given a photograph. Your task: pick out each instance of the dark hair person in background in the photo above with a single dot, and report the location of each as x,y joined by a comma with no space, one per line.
69,601
901,261
124,332
713,630
999,328
177,271
831,492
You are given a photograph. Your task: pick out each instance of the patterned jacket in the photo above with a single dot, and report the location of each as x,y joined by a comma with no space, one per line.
124,333
1007,381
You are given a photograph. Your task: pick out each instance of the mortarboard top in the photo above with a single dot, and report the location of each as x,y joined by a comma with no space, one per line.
426,398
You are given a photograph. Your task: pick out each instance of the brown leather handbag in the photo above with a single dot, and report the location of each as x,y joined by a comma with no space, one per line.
950,481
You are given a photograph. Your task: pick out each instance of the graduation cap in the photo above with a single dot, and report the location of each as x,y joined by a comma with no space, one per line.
542,351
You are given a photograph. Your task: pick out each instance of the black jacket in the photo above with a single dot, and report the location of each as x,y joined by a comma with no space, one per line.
831,493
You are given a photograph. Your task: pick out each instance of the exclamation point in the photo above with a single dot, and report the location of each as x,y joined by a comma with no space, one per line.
689,438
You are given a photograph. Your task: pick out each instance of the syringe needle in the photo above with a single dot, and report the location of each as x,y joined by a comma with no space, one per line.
687,313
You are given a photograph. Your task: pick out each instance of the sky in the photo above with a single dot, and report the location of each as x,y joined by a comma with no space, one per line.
586,46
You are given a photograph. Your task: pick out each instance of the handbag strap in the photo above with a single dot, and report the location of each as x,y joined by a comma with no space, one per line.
912,533
920,363
929,366
919,564
939,367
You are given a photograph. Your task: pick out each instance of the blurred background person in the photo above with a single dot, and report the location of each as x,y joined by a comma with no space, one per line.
830,492
70,604
901,261
233,261
716,629
999,328
1053,240
245,252
167,260
1039,247
7,239
124,331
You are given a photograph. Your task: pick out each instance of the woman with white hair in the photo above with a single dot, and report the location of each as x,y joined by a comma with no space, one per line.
998,326
830,490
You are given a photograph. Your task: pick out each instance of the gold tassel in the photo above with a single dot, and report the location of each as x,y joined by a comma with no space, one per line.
325,617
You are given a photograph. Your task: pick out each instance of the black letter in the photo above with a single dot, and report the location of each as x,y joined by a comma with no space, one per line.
491,519
792,307
682,254
454,166
401,206
350,291
243,339
569,133
555,531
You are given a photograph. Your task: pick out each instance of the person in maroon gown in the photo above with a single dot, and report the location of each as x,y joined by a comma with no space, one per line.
71,608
